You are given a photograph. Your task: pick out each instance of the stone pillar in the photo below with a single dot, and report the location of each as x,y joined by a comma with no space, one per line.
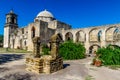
103,41
87,41
74,37
54,46
36,47
63,36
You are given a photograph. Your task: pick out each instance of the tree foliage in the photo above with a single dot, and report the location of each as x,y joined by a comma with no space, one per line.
109,55
1,38
69,50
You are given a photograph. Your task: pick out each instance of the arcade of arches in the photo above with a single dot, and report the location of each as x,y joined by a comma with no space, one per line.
94,37
45,25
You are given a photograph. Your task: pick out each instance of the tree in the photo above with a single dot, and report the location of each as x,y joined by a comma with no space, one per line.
1,38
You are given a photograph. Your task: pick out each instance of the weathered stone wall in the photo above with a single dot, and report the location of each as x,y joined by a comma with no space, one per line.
90,36
44,64
34,64
56,64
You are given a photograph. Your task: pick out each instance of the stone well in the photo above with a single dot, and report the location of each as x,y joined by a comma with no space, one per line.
45,63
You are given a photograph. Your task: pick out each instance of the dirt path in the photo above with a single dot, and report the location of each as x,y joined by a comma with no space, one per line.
74,70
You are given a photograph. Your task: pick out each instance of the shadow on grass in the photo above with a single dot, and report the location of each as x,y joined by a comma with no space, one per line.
4,58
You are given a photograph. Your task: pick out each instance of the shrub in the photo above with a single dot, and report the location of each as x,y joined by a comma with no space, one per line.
109,55
69,50
45,49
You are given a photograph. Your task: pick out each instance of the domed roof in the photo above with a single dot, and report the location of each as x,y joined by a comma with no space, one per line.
45,13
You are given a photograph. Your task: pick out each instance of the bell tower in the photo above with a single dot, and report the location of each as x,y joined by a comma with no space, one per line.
10,26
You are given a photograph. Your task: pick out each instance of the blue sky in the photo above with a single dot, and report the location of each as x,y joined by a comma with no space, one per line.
78,13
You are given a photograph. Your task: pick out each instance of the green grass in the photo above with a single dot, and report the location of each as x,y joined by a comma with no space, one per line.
89,78
4,50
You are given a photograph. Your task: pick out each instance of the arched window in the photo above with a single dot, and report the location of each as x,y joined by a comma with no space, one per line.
7,20
116,34
68,36
109,33
12,20
93,35
99,35
32,32
80,36
77,37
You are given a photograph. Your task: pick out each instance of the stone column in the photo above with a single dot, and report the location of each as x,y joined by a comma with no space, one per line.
36,47
103,41
74,37
54,46
63,36
87,41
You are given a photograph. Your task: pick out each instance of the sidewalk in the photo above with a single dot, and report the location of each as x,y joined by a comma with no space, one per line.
74,70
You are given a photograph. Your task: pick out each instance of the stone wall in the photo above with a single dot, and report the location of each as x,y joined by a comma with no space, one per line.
56,65
34,65
44,64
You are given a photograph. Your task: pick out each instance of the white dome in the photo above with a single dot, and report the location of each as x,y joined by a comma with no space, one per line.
45,13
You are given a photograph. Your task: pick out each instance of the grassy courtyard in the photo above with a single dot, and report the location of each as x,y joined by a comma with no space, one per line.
8,50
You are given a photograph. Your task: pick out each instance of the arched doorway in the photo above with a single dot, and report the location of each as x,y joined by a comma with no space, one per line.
93,48
33,32
68,36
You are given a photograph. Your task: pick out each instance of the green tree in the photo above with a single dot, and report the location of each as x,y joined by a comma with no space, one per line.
1,38
70,50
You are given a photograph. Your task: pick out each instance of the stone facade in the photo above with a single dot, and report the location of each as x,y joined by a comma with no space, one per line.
45,25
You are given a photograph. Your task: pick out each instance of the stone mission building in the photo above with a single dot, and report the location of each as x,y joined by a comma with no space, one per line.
45,25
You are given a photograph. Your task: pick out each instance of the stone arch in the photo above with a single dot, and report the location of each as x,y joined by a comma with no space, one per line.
109,33
33,32
93,35
115,46
60,36
93,48
80,36
116,34
68,36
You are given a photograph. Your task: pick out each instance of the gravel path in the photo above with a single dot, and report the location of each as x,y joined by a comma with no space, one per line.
14,69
